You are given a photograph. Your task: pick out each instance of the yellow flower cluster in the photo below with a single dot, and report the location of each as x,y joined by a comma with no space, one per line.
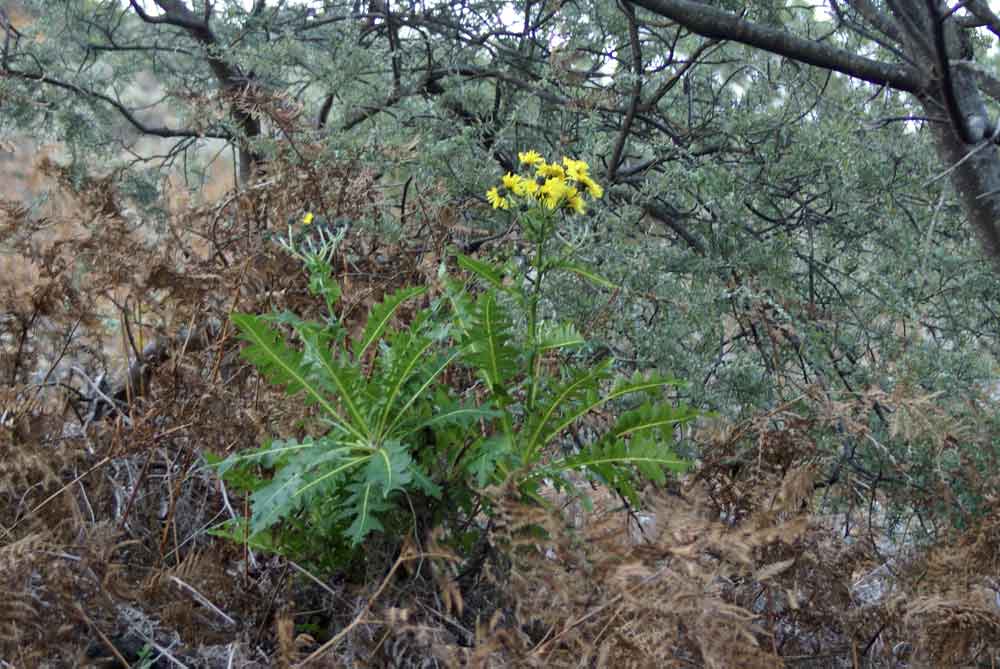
554,186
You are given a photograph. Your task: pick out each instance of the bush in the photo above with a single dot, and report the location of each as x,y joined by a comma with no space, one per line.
395,432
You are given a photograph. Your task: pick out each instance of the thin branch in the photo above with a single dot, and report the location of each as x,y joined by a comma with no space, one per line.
984,16
708,21
157,131
881,21
662,214
987,81
174,14
636,98
668,85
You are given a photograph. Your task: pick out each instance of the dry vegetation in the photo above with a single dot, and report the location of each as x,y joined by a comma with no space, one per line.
122,370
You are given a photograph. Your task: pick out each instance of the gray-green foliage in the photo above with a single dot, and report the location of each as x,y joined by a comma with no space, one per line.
773,227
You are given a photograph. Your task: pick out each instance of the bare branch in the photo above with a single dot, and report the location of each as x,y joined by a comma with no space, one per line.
127,114
708,21
665,216
881,21
984,16
915,26
175,14
636,99
987,81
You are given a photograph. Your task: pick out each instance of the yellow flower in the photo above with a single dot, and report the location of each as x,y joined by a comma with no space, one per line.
574,202
518,185
592,187
551,170
554,186
576,169
553,191
497,200
525,187
530,158
307,219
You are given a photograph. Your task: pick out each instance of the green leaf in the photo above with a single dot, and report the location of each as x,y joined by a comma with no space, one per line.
389,468
660,418
270,455
396,376
556,336
485,454
423,388
587,274
459,415
637,384
488,347
483,270
620,452
329,332
423,482
612,458
276,500
463,307
283,494
330,476
380,316
364,502
322,283
344,381
237,531
560,406
280,364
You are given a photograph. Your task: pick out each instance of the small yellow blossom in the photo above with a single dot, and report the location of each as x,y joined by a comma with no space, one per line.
553,191
519,186
574,202
530,158
592,187
497,200
525,187
553,186
549,170
307,219
576,169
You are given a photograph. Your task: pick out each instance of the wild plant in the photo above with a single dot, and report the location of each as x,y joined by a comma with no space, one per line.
398,442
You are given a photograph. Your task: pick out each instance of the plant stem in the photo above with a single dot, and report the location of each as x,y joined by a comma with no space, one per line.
533,299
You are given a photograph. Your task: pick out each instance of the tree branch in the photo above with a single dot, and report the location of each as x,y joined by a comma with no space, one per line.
229,77
984,15
708,21
127,114
177,14
184,18
987,81
636,98
881,21
669,219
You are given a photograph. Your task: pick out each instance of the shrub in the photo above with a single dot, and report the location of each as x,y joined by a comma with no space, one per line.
396,432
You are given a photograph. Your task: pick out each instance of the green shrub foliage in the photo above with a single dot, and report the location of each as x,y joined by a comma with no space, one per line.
395,432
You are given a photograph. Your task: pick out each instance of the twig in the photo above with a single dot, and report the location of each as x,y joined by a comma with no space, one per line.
161,650
405,556
51,497
97,389
315,580
988,142
201,599
104,639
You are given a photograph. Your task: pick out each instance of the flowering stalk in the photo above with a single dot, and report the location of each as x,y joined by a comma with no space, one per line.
315,252
537,200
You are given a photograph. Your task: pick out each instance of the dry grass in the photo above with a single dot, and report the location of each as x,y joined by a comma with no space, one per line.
121,371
